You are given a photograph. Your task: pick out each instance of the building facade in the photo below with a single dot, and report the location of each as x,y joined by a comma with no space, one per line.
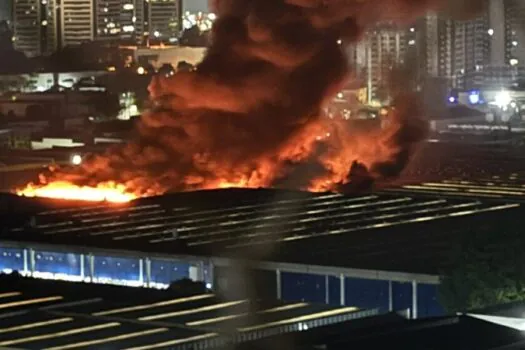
41,27
487,49
35,28
120,20
76,22
381,51
163,19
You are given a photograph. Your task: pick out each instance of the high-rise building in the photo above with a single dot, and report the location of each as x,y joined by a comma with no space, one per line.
163,19
515,32
474,53
35,26
138,20
435,40
121,20
76,22
381,51
43,26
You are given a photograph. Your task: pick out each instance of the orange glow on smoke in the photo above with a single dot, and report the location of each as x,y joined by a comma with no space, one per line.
106,191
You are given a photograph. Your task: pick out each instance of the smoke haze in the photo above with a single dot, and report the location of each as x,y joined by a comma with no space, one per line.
250,115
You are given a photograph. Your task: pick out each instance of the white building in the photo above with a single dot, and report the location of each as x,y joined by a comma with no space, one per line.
76,22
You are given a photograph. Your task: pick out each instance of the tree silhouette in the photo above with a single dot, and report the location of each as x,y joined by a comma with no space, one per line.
488,269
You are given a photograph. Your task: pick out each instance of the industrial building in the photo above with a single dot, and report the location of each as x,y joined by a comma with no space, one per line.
379,251
56,315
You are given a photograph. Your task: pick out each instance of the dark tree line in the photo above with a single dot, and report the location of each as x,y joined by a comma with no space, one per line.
487,269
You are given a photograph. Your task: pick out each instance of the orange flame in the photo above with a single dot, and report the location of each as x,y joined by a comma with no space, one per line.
105,191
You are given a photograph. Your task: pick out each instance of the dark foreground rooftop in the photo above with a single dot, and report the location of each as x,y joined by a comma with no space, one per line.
462,332
37,314
406,231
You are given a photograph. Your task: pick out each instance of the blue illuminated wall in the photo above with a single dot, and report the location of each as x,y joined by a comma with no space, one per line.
401,295
116,268
165,271
54,262
11,259
302,287
362,293
366,293
428,303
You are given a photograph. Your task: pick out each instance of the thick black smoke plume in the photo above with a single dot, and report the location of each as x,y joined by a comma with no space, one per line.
250,114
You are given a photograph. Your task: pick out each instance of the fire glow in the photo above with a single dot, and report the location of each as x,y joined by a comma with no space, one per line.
107,191
250,115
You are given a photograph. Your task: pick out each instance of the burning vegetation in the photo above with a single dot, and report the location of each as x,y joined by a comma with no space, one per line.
250,114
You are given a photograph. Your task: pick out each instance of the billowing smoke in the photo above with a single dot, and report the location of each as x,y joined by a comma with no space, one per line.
251,113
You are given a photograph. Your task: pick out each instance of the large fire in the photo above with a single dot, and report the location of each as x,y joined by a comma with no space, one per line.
250,114
105,191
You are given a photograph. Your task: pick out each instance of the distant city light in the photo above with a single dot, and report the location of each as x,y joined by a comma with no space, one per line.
491,32
451,99
473,98
141,71
412,29
128,29
204,21
412,42
339,41
156,34
513,62
514,43
128,7
340,95
502,99
76,159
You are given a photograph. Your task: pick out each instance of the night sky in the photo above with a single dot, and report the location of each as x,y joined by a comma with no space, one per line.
192,5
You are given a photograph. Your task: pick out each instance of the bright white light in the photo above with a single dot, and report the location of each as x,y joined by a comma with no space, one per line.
339,41
128,29
76,159
513,62
212,16
513,104
208,285
156,34
412,42
451,99
514,43
340,95
412,30
473,98
44,23
502,99
128,7
491,32
141,71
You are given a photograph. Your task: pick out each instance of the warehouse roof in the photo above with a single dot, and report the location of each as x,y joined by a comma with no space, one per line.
383,231
56,315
